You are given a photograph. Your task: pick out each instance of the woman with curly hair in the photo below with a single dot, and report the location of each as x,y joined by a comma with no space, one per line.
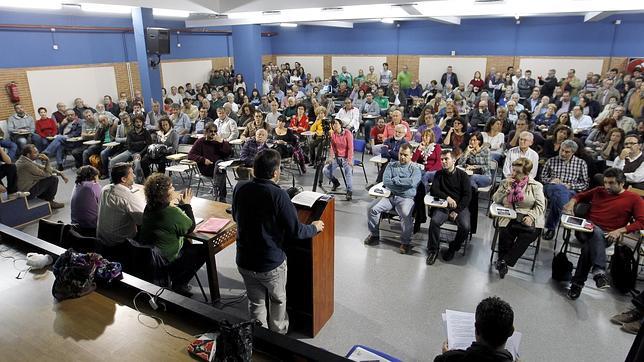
85,198
167,219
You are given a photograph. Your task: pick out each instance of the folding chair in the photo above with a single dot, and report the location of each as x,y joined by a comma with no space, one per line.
489,189
360,146
535,244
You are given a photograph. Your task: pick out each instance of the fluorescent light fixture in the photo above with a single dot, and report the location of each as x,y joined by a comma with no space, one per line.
103,8
288,25
33,4
387,20
170,13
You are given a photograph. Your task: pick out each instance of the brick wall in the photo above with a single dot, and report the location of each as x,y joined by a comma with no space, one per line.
19,76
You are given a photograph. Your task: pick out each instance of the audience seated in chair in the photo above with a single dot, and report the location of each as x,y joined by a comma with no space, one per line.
8,170
401,178
631,161
167,219
181,123
22,128
70,127
428,154
476,158
614,212
522,193
167,143
137,142
41,181
563,176
207,152
85,198
453,185
104,134
523,150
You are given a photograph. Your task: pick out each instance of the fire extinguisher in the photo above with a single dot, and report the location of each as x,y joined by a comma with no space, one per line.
12,91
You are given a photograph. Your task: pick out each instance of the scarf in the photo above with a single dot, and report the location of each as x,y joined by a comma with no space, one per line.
516,194
427,151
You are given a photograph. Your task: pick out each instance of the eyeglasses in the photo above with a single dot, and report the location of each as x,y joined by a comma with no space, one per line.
629,143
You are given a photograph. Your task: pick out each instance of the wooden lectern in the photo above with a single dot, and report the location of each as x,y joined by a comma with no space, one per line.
309,288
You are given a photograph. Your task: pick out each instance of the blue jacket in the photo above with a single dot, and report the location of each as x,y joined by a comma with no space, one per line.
401,180
265,218
392,147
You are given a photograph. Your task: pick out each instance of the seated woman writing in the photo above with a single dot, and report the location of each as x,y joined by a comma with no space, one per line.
525,196
167,219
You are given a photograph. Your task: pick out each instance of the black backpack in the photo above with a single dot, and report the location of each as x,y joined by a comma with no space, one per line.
623,269
561,268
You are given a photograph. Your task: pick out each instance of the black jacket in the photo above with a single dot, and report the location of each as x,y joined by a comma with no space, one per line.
475,353
454,79
456,185
138,142
265,218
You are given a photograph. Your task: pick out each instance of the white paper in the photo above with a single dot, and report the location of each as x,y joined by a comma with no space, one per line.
224,164
461,332
306,198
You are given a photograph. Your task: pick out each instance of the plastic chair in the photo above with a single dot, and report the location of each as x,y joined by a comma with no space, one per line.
360,146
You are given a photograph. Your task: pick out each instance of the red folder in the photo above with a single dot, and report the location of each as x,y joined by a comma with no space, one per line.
213,225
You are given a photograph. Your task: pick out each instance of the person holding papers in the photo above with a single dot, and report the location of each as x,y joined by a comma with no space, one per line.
452,185
401,178
494,324
525,195
167,219
265,218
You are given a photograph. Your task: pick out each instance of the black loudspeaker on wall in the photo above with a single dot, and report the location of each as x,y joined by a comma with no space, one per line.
157,40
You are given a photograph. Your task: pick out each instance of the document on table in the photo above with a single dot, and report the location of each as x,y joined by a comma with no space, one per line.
461,333
306,198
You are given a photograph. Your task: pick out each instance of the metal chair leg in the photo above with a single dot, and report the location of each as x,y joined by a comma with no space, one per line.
201,287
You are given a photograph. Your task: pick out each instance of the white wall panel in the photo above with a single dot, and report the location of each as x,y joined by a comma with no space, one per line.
180,73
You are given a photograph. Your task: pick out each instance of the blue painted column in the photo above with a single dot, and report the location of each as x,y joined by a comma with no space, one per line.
247,50
150,78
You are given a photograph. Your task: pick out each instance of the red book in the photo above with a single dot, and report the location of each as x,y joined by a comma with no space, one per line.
212,225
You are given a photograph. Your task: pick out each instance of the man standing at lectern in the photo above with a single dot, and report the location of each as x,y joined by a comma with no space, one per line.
265,218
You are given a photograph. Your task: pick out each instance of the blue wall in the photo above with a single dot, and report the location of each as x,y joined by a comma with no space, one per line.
555,36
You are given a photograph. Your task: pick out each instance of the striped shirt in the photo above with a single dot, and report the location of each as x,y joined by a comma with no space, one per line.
573,172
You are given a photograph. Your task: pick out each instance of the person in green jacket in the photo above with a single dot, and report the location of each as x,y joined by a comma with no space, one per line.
167,219
382,100
404,78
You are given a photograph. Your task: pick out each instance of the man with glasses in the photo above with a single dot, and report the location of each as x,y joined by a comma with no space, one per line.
563,176
522,150
523,124
631,161
401,178
623,122
479,115
207,152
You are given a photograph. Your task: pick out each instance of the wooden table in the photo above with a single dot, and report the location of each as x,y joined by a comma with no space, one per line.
94,327
205,209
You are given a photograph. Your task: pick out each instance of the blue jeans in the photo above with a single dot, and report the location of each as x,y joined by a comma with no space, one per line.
35,139
592,257
11,147
428,177
124,156
480,181
558,195
403,207
57,147
348,171
368,124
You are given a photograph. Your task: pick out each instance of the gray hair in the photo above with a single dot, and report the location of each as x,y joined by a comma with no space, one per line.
570,144
529,135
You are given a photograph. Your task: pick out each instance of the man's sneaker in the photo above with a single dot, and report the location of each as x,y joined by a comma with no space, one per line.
632,327
431,257
405,248
448,254
574,292
371,240
601,281
549,234
336,184
349,195
56,205
626,317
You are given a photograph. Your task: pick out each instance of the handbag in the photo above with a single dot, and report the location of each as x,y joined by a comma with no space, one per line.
519,226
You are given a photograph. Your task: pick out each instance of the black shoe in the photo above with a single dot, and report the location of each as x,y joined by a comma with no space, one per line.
448,254
601,281
502,267
549,234
60,168
185,290
405,248
431,257
371,240
336,184
349,195
574,292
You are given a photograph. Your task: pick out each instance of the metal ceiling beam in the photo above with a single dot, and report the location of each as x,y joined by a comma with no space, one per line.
597,15
332,24
451,20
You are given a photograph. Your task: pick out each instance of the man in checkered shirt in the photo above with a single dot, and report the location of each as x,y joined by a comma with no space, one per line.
563,176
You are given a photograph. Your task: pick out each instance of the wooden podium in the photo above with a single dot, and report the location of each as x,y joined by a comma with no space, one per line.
309,288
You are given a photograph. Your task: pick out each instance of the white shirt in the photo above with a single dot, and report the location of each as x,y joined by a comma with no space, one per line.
227,128
350,119
495,142
119,213
585,122
514,154
632,177
176,98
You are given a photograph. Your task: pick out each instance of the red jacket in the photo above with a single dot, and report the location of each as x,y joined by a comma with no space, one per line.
300,125
611,212
433,162
46,127
343,144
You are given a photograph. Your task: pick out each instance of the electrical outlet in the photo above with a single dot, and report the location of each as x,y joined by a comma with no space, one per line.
453,52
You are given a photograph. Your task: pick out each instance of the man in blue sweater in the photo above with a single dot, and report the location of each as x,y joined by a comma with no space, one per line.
401,178
266,217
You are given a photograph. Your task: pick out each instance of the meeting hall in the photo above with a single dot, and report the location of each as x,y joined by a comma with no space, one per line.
451,180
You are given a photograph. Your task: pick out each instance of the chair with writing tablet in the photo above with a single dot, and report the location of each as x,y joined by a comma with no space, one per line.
360,146
433,203
490,188
497,212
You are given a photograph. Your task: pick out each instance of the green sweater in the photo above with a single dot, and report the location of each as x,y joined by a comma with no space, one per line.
404,79
165,228
383,102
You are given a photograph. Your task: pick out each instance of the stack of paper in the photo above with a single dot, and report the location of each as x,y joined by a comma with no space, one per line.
212,225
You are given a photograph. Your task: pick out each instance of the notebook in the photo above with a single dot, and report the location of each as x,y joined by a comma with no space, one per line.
212,225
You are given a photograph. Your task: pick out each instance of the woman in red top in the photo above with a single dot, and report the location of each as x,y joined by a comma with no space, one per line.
429,154
300,122
45,126
477,81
